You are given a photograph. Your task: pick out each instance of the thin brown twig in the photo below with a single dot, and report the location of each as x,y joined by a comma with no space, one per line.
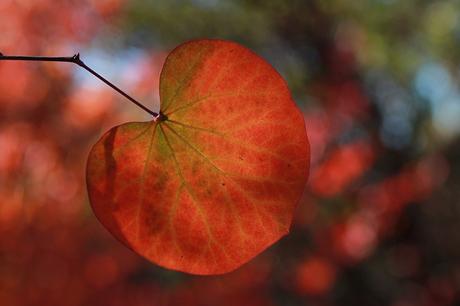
76,60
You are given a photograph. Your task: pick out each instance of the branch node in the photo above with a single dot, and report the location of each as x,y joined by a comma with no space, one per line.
160,117
76,59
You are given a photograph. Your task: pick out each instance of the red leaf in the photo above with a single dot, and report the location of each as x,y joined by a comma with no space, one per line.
217,182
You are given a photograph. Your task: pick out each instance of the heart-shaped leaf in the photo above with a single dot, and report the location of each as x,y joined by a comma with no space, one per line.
216,181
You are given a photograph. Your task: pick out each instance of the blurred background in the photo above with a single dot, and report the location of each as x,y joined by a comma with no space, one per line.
378,82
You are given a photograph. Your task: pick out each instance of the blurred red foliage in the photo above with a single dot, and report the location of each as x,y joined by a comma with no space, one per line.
342,167
315,276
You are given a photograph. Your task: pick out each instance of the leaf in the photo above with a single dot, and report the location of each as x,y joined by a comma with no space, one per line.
216,183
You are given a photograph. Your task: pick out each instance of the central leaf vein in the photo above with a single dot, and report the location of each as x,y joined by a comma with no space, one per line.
193,197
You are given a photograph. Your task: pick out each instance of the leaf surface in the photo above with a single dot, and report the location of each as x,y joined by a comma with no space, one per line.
216,183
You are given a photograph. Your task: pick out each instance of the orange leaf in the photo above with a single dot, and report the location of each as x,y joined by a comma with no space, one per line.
217,182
